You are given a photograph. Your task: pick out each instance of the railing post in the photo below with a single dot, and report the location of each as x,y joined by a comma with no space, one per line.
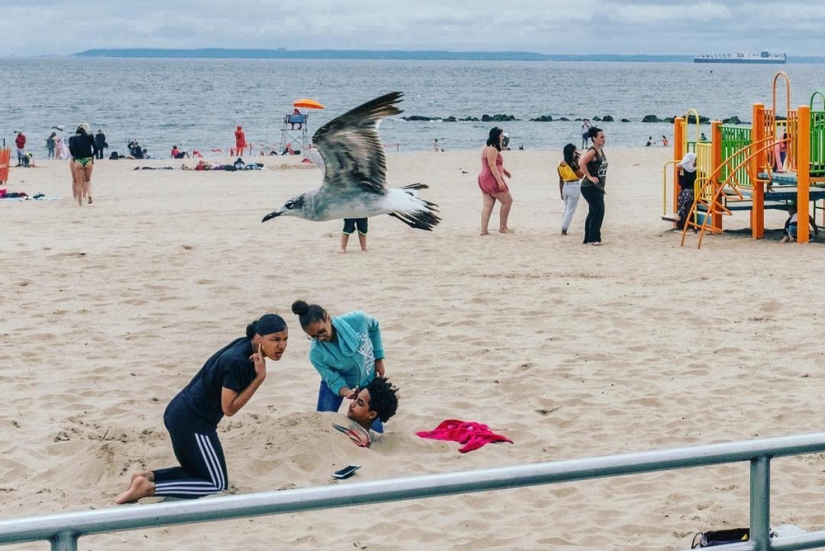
760,503
64,541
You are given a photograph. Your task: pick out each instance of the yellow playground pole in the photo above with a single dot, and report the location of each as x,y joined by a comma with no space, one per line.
758,197
803,173
679,150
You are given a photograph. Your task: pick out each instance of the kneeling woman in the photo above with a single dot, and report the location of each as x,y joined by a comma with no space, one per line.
347,351
223,386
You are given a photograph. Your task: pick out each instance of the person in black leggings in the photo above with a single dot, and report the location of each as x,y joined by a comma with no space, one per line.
594,165
223,386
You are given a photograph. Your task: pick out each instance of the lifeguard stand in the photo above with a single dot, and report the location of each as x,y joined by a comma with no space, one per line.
295,130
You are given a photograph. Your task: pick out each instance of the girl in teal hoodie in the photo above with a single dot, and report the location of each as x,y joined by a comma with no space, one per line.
346,350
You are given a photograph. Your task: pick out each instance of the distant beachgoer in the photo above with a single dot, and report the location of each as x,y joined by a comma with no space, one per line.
791,226
177,153
570,176
222,387
649,141
240,141
20,143
51,143
347,351
100,142
83,149
665,143
492,184
585,132
687,181
594,166
436,148
349,227
780,153
61,148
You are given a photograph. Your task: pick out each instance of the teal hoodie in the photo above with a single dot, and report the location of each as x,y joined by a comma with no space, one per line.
350,359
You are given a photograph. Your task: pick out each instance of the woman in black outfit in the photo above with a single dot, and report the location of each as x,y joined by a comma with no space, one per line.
594,165
83,150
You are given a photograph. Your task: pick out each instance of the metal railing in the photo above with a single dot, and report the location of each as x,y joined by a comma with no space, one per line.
64,529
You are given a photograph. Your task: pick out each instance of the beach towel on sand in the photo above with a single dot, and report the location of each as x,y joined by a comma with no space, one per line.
472,435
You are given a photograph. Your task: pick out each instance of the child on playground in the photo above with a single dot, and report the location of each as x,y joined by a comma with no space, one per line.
791,226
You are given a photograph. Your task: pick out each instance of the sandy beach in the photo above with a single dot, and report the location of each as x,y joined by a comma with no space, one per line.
569,350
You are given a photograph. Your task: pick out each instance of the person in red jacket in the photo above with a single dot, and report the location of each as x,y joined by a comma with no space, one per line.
240,141
20,142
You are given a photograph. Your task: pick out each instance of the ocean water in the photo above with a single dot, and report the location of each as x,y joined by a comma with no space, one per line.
197,103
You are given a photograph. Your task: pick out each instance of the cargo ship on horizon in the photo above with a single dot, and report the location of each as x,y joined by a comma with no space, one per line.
740,57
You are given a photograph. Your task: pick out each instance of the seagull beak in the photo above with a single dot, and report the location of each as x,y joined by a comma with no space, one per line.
271,215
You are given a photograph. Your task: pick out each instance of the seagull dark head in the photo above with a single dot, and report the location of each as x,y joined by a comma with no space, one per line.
293,207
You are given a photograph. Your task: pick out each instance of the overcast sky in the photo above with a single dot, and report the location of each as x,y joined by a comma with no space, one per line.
56,27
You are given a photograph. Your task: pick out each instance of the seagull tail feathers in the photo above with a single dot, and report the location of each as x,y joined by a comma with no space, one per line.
425,219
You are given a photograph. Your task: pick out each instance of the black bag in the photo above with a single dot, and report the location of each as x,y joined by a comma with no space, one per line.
720,537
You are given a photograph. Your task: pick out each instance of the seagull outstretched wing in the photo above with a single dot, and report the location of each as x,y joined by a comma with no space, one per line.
352,150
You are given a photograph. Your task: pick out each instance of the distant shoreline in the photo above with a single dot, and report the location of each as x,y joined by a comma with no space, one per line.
403,55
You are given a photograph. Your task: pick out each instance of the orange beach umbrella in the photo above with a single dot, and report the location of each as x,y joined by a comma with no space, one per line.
307,103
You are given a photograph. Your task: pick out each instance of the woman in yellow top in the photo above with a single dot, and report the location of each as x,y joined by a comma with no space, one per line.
570,176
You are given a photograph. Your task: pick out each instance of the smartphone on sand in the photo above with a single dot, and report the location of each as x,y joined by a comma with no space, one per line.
346,472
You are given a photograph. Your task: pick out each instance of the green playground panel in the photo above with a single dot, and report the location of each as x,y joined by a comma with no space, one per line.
734,141
817,143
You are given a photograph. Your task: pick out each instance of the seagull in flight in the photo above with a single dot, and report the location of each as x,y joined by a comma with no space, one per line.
355,173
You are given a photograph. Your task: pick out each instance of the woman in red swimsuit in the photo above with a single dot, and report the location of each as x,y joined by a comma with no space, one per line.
492,184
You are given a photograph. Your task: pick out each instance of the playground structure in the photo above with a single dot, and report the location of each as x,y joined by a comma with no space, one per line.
740,168
292,138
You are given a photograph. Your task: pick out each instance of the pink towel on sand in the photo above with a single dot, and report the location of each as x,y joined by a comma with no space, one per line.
472,435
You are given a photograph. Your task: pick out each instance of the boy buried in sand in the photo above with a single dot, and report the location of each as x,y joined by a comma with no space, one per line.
377,400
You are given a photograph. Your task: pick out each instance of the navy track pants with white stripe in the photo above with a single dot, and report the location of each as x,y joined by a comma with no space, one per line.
196,445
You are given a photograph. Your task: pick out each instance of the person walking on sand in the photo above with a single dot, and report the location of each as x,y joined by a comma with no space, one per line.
240,141
347,351
20,143
100,142
492,184
594,166
349,227
51,143
83,149
585,130
223,386
570,176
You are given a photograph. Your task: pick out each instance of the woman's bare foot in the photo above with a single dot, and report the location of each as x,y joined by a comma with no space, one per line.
90,199
139,488
506,230
485,233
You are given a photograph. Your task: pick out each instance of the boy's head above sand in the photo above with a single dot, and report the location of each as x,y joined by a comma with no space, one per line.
376,400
